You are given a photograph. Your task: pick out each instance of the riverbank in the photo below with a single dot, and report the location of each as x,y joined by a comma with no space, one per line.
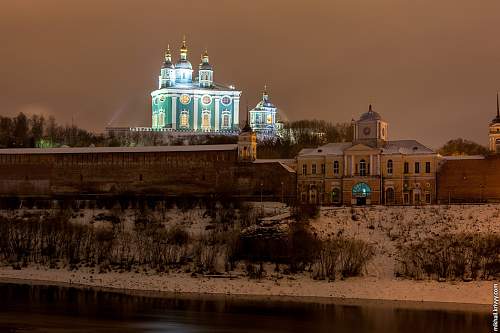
475,295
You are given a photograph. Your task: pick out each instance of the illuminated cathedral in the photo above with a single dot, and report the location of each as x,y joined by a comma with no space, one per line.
186,103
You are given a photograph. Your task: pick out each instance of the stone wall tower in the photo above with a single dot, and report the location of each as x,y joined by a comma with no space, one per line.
494,133
247,144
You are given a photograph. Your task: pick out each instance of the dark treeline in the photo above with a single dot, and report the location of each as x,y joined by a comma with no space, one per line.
304,134
22,131
462,147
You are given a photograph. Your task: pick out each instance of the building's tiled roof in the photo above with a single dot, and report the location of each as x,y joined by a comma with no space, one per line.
328,149
149,149
405,147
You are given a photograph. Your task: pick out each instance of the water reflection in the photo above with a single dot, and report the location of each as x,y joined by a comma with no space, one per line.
60,309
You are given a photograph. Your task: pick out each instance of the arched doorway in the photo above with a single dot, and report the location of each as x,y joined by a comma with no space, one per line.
389,196
360,192
335,196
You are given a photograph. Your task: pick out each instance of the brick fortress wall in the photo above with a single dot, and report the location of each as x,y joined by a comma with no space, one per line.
196,173
469,180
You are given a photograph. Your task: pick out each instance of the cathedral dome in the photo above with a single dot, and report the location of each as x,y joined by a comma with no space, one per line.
265,102
168,64
205,66
370,115
183,64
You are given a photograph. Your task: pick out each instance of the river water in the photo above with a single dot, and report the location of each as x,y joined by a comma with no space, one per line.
38,308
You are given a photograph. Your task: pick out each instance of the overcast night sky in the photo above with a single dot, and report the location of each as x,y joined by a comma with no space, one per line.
430,67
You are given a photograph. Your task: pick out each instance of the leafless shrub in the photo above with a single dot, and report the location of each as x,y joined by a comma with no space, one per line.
205,256
451,257
343,256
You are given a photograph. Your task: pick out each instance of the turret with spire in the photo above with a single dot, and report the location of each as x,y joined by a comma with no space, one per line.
247,143
496,120
183,68
167,72
184,49
206,73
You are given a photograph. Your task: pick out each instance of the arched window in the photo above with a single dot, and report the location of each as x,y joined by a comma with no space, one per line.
226,119
362,168
336,167
269,119
361,190
336,195
161,119
389,167
184,118
389,196
205,120
155,120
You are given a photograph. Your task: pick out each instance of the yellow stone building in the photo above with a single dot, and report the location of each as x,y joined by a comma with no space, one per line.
369,170
494,135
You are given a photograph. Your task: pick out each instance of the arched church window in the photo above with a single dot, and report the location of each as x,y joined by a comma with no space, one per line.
226,123
184,119
389,167
269,119
155,120
362,168
205,120
161,119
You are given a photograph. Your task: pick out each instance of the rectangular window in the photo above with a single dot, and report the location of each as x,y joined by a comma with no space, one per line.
304,169
322,168
427,167
417,167
313,169
428,198
336,167
407,167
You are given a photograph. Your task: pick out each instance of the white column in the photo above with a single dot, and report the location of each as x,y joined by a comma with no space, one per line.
236,112
174,112
217,112
344,172
195,112
352,165
371,164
